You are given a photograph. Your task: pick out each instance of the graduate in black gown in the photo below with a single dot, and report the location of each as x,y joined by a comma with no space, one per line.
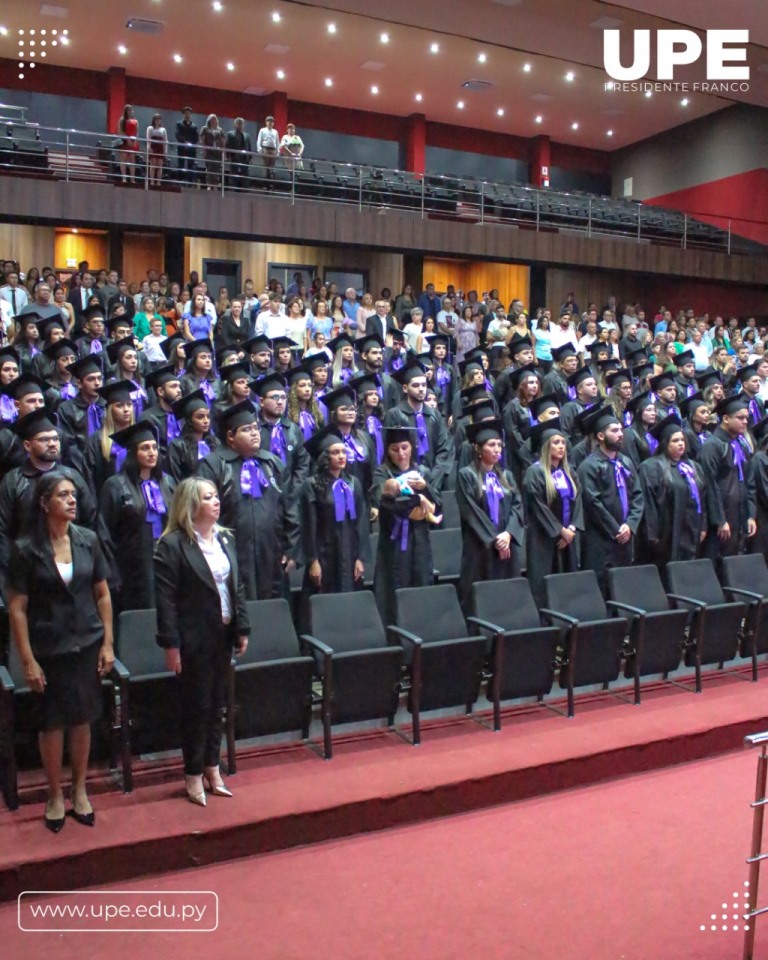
250,481
234,387
370,412
445,375
404,553
724,458
103,457
696,425
334,521
81,417
757,481
750,382
125,359
61,354
133,511
665,388
553,507
639,443
342,418
674,521
303,408
566,363
517,415
584,386
281,436
612,498
491,512
197,438
199,370
164,382
543,409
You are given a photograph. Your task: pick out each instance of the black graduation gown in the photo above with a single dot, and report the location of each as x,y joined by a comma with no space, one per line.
159,419
568,413
635,446
361,469
727,496
556,383
694,441
335,544
517,430
441,455
479,557
297,462
73,428
671,527
128,540
266,528
545,521
602,514
96,469
447,385
397,567
685,388
757,486
190,383
183,457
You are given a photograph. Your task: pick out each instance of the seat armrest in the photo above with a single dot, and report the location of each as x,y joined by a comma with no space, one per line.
698,604
626,606
749,594
554,615
405,635
309,641
120,670
485,625
6,682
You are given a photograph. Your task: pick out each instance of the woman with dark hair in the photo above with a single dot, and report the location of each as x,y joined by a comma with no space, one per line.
697,425
61,621
303,408
342,418
370,411
234,386
199,370
517,415
102,457
31,281
283,349
124,357
232,328
404,553
128,129
133,511
334,520
62,354
197,439
639,441
491,511
174,349
27,341
619,388
197,324
553,507
674,520
52,329
405,301
201,620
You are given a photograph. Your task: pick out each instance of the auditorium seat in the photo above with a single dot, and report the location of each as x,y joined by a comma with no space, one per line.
446,555
746,578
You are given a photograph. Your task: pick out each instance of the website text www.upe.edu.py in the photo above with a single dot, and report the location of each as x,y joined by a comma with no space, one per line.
118,911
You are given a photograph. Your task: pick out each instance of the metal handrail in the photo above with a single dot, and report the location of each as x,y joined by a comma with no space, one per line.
756,857
84,155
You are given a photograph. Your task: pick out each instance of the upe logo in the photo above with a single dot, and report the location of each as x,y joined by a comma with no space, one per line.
678,48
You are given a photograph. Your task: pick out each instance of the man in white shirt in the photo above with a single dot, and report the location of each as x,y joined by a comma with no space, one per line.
266,146
700,350
447,319
609,321
563,333
588,339
15,296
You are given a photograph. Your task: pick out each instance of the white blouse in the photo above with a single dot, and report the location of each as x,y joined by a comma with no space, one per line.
66,571
219,565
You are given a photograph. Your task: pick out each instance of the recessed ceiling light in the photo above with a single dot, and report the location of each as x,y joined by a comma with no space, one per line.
482,57
375,91
331,28
230,66
384,37
217,6
649,93
500,112
276,18
65,40
539,119
684,102
328,82
609,133
3,31
434,48
526,67
574,126
280,74
419,98
570,76
122,50
177,58
460,104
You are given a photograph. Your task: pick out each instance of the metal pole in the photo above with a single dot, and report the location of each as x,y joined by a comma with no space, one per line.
222,173
639,222
685,231
729,238
482,203
423,180
66,166
146,165
293,183
538,210
589,217
360,188
755,859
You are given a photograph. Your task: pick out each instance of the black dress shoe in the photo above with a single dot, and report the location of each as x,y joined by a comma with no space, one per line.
85,819
54,824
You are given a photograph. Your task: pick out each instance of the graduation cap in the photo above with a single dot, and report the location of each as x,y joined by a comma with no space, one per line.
635,356
24,385
314,361
117,391
692,403
38,421
8,354
708,377
61,348
278,342
661,381
322,440
120,346
236,371
467,366
687,356
119,320
483,430
746,373
642,369
540,404
518,344
476,353
398,335
224,354
197,346
411,370
474,394
598,419
46,324
541,432
95,312
596,346
640,402
343,397
32,314
161,376
137,433
563,352
365,343
87,365
399,435
236,416
662,430
184,407
364,383
521,373
609,365
439,338
342,340
427,360
298,373
614,378
169,344
484,410
730,405
258,344
583,373
270,381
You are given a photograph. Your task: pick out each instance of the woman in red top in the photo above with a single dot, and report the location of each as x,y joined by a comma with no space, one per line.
128,128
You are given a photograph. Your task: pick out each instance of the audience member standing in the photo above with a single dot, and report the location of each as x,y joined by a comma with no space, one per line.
267,145
187,137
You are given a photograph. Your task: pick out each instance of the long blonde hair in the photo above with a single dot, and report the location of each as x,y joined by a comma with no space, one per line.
545,462
108,427
186,501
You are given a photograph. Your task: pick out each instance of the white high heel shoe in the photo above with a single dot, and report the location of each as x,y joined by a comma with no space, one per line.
195,791
212,777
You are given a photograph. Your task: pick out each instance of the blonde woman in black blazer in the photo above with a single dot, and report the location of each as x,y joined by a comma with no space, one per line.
201,618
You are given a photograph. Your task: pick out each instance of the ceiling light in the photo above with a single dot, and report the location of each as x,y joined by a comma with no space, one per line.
122,50
375,91
328,82
684,102
649,93
3,31
74,229
280,74
460,104
217,6
609,133
500,112
177,58
64,33
276,18
331,28
42,53
230,66
570,76
574,126
384,38
482,57
539,119
434,48
419,98
65,40
526,68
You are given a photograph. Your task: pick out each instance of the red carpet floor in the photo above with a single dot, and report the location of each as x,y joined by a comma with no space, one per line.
626,870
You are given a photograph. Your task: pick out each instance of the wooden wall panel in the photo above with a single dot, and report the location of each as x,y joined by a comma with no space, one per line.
142,252
93,247
31,246
511,280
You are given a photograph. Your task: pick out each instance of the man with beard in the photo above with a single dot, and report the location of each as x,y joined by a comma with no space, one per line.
521,352
584,385
371,347
281,436
259,350
612,498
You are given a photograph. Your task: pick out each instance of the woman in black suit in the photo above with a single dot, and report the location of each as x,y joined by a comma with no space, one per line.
61,620
201,617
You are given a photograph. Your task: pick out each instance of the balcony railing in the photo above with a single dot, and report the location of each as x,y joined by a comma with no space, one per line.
69,155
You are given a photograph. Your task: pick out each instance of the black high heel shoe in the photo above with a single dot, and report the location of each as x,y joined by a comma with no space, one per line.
84,819
54,824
